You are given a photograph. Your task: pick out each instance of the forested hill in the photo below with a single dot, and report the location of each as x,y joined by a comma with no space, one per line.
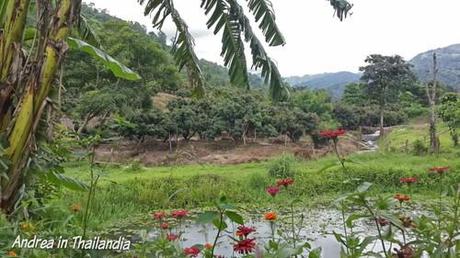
334,83
448,62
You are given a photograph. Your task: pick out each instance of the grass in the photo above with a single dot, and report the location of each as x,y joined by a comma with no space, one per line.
125,194
402,138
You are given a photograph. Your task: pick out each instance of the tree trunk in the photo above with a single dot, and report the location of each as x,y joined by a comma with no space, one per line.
11,56
431,94
33,101
382,130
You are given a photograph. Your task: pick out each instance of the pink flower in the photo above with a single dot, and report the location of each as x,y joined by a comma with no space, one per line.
273,190
179,214
192,251
172,237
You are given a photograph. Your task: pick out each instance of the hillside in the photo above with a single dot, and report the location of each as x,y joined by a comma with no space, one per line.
332,82
448,61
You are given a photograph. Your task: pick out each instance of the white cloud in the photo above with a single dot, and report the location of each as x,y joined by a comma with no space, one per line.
318,42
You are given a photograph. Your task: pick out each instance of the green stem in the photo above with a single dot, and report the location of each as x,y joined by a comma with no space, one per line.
219,230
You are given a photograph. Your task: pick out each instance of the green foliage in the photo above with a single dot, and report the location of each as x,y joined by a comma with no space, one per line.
117,68
449,111
419,148
282,167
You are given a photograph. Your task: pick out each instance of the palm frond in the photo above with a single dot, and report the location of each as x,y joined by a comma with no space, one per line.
183,48
260,59
223,18
341,7
265,16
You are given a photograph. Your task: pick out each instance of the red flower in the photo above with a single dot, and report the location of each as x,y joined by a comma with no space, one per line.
402,198
192,251
208,246
408,180
273,190
159,215
244,231
245,246
439,170
179,214
332,134
285,182
172,237
164,225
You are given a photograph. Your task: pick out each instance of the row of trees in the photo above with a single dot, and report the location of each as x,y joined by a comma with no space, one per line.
238,114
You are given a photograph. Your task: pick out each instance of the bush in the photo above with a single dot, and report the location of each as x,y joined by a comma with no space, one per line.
282,167
419,148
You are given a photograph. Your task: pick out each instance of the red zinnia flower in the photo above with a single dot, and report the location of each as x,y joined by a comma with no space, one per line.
245,246
172,237
439,170
192,251
332,134
244,231
273,190
402,198
179,214
159,215
285,182
408,180
164,225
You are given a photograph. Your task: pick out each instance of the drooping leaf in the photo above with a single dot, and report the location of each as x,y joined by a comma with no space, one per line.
68,182
225,17
341,7
183,48
86,32
118,69
265,16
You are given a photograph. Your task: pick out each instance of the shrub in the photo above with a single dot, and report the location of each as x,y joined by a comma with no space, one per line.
282,167
419,148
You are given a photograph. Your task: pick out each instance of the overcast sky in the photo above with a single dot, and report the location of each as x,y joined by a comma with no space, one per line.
317,42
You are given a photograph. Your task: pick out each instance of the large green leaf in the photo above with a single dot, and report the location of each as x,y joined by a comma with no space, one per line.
68,182
118,69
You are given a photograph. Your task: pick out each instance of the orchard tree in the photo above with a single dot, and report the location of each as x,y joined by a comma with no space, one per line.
385,77
449,111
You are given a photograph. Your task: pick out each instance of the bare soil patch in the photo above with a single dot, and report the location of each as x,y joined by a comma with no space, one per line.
154,153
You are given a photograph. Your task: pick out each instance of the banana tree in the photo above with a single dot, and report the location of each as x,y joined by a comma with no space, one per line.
27,73
229,18
27,76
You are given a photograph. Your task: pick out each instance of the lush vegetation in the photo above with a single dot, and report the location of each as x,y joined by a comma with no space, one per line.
73,78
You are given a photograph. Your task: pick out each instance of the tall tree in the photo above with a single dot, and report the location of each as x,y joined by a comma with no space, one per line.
384,77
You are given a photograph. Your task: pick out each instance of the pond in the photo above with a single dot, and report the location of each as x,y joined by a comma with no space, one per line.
317,229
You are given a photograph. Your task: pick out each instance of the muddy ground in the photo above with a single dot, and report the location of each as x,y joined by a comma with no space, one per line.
153,153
